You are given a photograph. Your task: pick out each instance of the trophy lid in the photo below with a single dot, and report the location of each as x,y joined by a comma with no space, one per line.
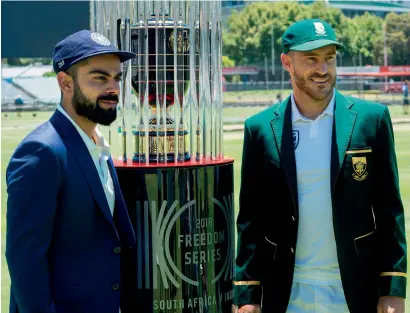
162,20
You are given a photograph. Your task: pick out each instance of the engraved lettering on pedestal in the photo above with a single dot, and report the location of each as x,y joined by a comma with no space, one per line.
203,243
227,209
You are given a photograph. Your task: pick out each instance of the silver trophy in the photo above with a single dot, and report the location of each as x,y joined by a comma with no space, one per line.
171,108
177,184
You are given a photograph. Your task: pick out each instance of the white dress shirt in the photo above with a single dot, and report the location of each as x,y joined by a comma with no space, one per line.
100,153
316,256
317,285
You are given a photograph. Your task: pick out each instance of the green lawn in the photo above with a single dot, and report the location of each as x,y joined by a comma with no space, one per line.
14,129
251,96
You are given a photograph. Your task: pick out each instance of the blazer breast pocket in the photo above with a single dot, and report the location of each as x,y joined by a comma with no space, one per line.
358,164
270,248
271,161
367,251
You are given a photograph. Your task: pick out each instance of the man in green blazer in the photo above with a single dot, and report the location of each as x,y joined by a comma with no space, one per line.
321,221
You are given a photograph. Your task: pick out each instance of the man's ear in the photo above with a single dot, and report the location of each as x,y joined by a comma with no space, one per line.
65,82
286,62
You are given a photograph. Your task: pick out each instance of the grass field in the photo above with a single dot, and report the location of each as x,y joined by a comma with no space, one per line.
236,114
13,129
252,96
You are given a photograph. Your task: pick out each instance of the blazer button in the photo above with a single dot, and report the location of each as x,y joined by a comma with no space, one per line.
293,218
117,250
291,249
115,286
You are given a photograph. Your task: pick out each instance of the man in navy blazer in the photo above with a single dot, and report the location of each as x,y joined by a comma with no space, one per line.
70,244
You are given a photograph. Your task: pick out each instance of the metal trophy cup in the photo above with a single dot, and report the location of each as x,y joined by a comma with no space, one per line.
176,181
166,80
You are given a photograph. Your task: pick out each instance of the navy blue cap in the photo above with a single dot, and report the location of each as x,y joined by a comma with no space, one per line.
82,45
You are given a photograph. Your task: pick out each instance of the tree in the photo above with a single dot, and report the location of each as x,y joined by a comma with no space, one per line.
248,37
49,74
397,39
26,61
364,31
227,61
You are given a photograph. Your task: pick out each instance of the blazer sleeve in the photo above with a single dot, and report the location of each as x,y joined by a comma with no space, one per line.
247,284
33,179
389,213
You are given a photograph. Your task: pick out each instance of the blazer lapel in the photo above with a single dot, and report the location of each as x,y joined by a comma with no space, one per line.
79,150
124,225
343,123
282,130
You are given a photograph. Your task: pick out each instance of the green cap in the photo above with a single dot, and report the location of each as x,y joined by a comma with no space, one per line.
308,35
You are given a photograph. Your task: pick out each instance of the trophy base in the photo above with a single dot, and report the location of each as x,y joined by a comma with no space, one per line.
159,143
137,158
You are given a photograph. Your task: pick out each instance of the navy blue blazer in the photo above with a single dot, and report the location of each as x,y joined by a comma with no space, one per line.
63,247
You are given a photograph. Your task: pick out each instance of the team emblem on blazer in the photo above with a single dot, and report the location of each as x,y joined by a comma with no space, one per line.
295,139
360,168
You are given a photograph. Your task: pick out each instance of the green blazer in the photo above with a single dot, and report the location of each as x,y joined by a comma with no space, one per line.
368,212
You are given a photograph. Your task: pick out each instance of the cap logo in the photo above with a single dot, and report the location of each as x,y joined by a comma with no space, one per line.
320,29
100,39
60,63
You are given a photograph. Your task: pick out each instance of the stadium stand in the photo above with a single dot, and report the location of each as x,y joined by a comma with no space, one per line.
44,89
28,83
9,93
25,71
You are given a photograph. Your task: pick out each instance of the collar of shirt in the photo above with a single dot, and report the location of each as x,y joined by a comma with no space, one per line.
98,149
296,115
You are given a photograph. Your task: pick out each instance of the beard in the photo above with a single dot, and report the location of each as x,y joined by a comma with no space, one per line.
92,110
317,93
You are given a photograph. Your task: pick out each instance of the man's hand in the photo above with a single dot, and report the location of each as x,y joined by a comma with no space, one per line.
390,304
249,308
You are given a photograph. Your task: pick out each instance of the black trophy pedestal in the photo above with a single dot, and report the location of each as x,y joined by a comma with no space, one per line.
183,218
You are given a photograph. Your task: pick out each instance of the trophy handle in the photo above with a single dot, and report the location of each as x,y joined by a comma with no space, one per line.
119,34
123,43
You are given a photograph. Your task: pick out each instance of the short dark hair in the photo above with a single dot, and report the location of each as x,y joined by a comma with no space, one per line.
73,70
